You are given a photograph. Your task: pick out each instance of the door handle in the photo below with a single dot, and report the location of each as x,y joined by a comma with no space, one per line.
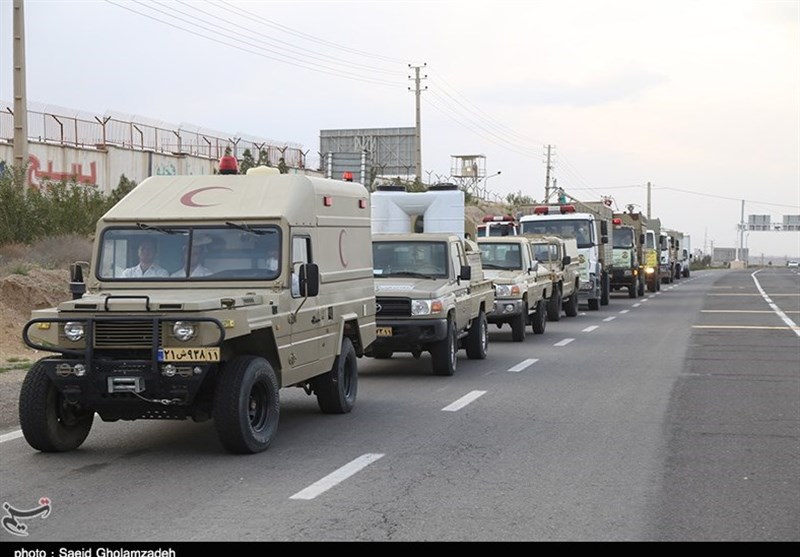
315,319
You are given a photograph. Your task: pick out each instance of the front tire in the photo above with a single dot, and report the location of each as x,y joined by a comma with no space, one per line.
594,304
336,390
246,405
478,338
554,305
539,319
519,323
49,423
443,353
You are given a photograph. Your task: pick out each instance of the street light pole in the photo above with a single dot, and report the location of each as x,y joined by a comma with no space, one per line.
485,189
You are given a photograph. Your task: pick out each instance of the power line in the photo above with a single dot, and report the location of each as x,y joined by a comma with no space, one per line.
728,198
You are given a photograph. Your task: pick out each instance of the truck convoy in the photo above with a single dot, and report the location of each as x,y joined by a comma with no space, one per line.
521,290
589,223
431,292
206,295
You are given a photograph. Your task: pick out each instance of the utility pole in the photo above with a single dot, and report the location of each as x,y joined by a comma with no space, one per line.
547,176
20,97
418,131
648,200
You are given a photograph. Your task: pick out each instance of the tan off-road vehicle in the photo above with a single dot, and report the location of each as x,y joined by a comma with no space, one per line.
521,289
207,295
430,289
561,258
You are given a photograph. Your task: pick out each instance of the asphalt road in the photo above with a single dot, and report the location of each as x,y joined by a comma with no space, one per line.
674,417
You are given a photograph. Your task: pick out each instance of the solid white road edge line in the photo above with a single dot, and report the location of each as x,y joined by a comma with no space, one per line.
775,308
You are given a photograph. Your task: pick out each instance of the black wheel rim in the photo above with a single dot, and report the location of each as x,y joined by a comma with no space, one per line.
258,406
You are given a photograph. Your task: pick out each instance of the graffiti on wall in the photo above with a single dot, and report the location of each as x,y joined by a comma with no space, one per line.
37,175
167,169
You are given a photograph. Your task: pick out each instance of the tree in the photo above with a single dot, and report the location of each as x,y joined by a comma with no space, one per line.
248,161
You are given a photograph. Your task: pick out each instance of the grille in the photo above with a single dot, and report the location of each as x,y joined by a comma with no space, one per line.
123,334
394,307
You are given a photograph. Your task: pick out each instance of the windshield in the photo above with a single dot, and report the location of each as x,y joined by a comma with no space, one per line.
497,229
415,259
545,253
501,256
650,240
226,252
581,230
623,238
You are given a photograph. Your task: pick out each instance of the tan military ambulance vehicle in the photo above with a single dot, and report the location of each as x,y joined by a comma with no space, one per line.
206,295
431,292
521,289
560,257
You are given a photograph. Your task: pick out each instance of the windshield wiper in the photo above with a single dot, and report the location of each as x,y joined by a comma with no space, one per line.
246,228
144,226
410,274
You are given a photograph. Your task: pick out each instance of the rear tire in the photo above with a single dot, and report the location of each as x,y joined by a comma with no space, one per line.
571,305
478,338
539,319
48,422
554,305
605,289
633,290
336,390
246,405
594,304
641,288
443,353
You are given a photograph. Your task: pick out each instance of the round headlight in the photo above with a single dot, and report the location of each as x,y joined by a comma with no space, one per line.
502,290
73,330
183,330
420,307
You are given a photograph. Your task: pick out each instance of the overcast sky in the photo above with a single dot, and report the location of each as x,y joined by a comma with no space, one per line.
700,98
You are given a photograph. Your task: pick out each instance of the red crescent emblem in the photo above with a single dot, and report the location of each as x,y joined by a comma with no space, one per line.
188,197
342,234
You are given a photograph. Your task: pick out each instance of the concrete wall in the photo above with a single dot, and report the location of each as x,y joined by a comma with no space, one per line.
102,168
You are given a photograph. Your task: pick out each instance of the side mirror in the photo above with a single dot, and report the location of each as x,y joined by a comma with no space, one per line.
76,285
604,240
534,266
466,273
309,279
604,229
641,239
566,260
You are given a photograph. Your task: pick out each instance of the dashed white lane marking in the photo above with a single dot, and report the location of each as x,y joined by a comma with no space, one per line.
636,305
589,329
463,401
10,436
336,477
775,308
607,319
645,299
564,342
523,364
625,311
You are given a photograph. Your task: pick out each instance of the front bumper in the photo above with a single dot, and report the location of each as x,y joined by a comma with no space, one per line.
505,310
130,389
408,335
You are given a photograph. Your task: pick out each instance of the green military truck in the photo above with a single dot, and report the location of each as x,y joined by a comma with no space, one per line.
521,290
431,293
205,296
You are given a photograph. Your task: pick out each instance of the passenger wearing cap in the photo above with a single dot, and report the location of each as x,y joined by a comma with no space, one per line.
194,259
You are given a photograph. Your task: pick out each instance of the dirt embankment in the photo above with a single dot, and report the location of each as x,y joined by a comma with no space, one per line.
20,294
